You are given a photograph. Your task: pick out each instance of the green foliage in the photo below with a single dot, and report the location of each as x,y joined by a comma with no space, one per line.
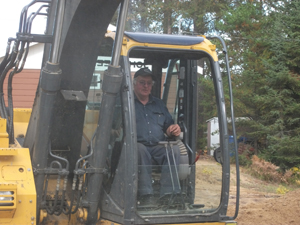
264,45
202,15
193,16
154,16
283,151
280,98
245,153
244,160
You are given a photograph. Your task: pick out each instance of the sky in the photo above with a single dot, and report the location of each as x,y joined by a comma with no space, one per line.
10,11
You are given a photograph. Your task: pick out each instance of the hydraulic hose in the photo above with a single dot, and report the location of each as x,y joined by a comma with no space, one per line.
6,58
9,93
9,66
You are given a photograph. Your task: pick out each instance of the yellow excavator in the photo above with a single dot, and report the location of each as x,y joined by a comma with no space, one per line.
72,158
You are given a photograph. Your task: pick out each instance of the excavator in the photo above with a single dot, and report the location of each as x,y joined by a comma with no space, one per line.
73,157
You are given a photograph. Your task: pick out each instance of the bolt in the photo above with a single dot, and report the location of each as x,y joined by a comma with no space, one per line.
20,201
28,169
30,201
32,218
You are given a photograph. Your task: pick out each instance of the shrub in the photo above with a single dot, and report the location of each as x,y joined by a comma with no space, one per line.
245,153
284,152
270,172
282,190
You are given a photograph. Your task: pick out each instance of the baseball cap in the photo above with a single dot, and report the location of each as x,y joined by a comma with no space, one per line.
144,72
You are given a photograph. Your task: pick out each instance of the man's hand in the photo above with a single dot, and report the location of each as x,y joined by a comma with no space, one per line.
173,130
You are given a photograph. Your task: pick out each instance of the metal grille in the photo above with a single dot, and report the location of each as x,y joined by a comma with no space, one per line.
7,198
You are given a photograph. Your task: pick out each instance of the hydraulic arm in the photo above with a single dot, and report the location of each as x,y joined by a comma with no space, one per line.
59,95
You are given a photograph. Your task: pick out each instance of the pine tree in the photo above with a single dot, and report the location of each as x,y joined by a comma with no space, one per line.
283,78
264,39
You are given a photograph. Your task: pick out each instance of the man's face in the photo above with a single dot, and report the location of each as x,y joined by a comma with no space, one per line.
143,86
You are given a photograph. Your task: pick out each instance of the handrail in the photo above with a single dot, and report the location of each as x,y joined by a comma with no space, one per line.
233,129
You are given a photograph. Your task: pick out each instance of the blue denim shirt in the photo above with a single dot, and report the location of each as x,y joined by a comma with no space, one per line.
152,121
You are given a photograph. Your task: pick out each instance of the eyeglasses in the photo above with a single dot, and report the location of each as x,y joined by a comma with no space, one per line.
143,83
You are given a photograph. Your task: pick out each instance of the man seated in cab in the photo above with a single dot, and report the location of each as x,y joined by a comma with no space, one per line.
154,123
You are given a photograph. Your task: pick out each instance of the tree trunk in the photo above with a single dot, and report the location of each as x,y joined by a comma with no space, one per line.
167,22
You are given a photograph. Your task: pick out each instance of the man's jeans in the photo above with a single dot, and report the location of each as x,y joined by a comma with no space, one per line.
157,153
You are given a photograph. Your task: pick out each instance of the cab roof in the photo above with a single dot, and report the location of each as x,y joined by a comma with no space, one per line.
166,39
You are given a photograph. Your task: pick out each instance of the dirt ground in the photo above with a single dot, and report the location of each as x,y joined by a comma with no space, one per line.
259,203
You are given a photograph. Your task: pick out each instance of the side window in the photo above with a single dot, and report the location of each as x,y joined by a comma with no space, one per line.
95,93
208,128
92,116
170,87
94,103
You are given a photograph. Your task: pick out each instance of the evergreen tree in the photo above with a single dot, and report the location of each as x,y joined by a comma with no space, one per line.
171,17
283,91
244,26
156,16
264,42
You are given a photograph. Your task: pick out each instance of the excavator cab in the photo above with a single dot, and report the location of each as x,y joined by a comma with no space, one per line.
78,160
178,62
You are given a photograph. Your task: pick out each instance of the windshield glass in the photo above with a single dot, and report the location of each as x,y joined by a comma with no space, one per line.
194,184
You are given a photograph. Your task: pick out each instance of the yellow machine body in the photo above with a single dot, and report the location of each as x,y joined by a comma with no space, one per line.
205,46
17,188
